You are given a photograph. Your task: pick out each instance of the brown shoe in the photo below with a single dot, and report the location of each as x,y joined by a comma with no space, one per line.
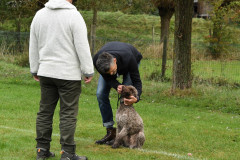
111,134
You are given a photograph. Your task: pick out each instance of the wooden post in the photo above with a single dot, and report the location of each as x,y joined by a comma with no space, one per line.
93,29
93,41
153,39
153,32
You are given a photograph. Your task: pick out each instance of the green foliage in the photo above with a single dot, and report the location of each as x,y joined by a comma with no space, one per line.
3,11
129,6
19,59
220,46
137,30
221,35
22,60
139,7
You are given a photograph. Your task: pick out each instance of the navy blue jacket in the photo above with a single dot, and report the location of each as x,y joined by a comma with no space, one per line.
128,59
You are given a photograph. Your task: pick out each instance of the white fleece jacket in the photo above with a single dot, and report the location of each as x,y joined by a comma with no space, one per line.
59,45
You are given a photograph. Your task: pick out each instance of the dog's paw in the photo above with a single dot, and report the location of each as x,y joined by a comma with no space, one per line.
110,143
114,146
133,147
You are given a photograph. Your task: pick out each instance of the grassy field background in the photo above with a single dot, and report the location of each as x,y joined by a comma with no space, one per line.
203,121
138,30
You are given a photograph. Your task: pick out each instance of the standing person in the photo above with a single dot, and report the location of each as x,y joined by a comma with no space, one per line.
59,54
112,60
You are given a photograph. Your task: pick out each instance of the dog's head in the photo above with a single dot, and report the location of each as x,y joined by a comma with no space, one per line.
128,91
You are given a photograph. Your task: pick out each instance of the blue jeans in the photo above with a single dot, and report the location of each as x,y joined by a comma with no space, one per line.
103,91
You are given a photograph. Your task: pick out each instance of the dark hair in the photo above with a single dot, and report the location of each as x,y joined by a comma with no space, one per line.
103,63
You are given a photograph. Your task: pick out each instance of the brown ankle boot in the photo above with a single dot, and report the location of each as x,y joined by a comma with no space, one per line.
111,134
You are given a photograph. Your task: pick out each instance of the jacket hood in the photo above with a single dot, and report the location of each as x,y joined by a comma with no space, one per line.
59,4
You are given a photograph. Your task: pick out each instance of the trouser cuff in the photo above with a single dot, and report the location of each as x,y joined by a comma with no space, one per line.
69,148
108,124
43,145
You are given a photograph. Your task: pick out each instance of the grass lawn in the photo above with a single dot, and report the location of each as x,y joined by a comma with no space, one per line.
224,71
204,121
228,70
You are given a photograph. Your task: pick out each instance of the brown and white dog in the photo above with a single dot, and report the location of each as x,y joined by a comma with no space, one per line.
130,132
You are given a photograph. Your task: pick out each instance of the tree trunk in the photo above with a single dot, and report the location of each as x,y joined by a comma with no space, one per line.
217,28
93,28
182,78
166,15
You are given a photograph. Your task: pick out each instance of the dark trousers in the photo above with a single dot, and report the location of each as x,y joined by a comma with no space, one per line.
103,90
51,91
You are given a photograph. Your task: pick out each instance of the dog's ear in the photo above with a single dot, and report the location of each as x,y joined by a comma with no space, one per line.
133,91
123,88
125,92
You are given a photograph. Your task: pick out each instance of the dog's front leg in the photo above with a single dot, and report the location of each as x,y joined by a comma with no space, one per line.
119,137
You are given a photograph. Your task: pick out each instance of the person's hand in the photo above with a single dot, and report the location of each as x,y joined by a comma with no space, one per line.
119,89
130,101
36,78
87,79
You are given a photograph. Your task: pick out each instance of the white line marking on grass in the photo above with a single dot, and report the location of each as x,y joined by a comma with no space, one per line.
168,154
32,132
90,140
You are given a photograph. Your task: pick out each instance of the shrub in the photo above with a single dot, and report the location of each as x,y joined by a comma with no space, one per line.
22,60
